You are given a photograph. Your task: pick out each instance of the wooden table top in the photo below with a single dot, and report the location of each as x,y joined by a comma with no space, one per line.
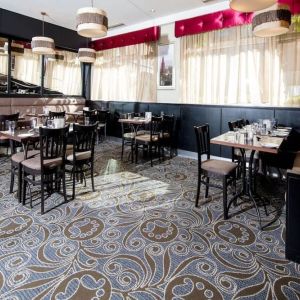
261,144
21,135
134,121
36,115
75,113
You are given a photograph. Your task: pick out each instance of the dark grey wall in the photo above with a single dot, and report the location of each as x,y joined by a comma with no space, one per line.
190,115
22,27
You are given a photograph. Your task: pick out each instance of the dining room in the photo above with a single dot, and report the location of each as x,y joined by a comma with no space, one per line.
150,150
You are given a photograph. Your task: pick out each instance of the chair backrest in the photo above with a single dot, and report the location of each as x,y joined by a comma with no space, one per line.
25,124
89,113
240,123
4,118
84,137
53,143
102,116
202,140
57,114
168,124
233,124
155,127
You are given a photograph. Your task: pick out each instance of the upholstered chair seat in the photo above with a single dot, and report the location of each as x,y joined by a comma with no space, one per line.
146,138
80,156
19,157
35,163
218,167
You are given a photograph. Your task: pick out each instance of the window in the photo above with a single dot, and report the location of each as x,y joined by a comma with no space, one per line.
232,66
126,73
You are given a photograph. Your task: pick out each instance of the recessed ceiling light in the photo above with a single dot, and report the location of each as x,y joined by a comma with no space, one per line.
152,10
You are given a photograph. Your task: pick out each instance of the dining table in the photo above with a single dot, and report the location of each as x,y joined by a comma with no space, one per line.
135,122
259,143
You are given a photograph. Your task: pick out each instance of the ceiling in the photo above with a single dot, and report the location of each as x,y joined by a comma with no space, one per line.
128,12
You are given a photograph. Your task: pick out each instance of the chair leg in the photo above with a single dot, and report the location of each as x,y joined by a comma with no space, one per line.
122,152
198,189
150,153
132,150
225,208
207,187
24,188
136,153
74,175
92,176
12,179
42,197
64,186
20,180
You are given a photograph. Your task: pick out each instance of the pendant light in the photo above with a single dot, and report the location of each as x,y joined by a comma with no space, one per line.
273,21
87,55
250,5
91,22
41,44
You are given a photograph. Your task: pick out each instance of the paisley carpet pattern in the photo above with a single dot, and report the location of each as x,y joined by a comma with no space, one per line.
139,236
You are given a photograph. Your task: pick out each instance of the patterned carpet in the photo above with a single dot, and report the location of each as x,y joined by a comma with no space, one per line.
139,236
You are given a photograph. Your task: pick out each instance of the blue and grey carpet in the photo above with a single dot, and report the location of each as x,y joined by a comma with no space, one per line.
139,236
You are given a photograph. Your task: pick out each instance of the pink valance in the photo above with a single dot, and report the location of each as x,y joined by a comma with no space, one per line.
127,39
221,19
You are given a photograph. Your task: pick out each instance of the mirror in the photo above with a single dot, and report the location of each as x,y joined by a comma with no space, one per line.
62,74
3,65
25,69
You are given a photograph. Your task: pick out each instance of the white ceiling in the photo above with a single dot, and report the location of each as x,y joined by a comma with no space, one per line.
129,12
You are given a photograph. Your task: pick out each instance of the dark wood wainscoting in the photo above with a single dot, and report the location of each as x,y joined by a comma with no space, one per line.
189,115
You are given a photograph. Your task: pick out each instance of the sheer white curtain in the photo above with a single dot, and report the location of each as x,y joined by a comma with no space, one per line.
64,75
3,63
28,67
126,73
232,66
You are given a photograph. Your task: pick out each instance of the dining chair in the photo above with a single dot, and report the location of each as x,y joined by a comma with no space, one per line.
102,118
18,157
48,168
56,114
82,158
217,169
150,140
168,134
236,155
4,141
128,133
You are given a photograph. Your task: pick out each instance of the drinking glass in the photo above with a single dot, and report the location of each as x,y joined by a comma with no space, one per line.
33,110
86,121
50,124
12,126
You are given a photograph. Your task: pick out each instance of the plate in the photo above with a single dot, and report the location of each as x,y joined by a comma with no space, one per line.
269,145
285,129
282,133
25,134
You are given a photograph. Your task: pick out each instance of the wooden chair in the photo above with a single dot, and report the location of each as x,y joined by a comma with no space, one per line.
150,140
128,136
4,141
49,165
18,157
220,169
82,158
102,118
168,134
56,114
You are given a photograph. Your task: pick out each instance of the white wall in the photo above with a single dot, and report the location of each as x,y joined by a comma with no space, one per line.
167,36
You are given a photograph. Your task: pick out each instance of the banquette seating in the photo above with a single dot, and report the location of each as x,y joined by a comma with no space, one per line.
24,105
